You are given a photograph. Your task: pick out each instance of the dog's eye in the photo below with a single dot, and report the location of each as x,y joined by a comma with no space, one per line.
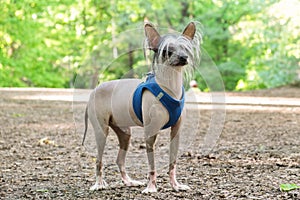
167,53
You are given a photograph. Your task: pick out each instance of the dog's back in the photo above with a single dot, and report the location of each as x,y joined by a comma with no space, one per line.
114,98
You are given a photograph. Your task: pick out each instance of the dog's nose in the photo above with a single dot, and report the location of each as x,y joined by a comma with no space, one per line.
183,58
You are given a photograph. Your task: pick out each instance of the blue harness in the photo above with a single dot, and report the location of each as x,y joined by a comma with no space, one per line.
173,106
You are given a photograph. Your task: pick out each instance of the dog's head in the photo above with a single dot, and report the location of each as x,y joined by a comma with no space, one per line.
174,50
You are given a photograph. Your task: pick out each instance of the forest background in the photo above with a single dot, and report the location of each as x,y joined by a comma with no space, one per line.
254,44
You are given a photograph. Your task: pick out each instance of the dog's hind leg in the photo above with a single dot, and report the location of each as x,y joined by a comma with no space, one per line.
101,141
101,136
124,140
100,125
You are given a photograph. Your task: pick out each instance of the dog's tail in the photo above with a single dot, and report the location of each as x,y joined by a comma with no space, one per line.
85,124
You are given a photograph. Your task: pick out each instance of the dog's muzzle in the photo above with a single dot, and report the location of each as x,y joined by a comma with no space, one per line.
182,60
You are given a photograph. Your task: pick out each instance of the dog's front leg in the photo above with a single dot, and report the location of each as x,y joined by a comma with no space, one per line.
151,187
154,116
174,145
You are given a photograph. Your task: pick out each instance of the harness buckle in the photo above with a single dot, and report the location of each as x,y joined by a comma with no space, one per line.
159,96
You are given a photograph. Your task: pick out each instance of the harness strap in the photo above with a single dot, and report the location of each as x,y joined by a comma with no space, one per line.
173,106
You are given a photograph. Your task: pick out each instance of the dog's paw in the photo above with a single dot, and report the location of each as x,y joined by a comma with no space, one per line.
99,186
149,190
180,187
133,183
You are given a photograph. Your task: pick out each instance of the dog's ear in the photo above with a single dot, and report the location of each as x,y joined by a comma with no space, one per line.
189,31
152,36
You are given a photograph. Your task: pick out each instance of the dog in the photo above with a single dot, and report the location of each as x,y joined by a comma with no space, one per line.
121,104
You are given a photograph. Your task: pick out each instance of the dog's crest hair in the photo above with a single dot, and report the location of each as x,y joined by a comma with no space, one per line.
190,46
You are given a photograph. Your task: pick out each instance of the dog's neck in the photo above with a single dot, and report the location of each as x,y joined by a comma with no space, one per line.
170,79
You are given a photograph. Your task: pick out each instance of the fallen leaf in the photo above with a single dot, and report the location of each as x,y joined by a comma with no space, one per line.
288,187
41,190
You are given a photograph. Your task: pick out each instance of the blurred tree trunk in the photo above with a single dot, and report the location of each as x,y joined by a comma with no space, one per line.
130,74
95,76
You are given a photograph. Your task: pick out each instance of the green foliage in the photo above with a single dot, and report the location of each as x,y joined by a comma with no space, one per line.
255,44
274,40
31,53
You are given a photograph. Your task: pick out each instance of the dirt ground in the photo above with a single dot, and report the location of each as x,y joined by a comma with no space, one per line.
41,156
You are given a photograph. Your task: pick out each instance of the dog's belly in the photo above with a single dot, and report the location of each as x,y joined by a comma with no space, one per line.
121,103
